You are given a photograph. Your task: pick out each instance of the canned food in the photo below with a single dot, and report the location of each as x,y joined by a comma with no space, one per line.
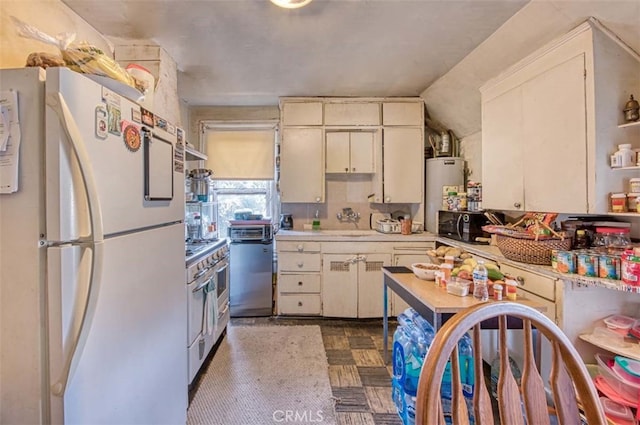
587,264
566,262
609,267
554,259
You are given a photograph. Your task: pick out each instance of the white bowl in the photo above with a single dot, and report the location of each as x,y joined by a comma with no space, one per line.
425,271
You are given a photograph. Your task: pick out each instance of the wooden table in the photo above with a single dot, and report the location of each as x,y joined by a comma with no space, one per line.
435,304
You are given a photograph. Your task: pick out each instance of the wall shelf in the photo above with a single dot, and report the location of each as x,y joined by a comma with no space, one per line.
633,167
632,352
629,124
194,155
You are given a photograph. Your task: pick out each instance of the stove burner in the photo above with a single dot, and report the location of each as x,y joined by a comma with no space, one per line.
194,248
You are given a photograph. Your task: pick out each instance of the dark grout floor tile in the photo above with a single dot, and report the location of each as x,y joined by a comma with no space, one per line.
374,376
350,399
340,357
361,342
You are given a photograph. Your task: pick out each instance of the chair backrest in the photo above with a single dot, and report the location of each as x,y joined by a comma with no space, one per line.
569,379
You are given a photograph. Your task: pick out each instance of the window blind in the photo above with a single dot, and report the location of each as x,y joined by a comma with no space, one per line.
241,154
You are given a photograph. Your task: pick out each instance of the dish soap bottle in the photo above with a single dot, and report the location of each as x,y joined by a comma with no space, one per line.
316,221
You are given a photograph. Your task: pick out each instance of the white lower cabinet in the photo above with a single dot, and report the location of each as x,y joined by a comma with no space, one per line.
352,284
299,278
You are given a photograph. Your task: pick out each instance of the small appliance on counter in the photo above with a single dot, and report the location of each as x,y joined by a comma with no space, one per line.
286,222
465,226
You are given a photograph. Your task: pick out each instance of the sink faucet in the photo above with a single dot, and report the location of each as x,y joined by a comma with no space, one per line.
348,214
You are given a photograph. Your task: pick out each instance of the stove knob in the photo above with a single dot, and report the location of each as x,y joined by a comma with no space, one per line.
199,266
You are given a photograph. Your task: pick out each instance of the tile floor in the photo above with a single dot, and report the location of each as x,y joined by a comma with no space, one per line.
360,380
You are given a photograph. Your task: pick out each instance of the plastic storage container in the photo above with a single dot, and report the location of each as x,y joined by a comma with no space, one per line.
614,239
616,411
618,321
459,287
625,389
629,369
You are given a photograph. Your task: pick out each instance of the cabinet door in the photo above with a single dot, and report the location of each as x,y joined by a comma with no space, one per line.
502,161
403,164
352,113
370,299
340,285
555,142
337,152
402,113
302,165
361,152
302,113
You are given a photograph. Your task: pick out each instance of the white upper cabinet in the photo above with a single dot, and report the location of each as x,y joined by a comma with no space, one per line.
403,165
352,113
350,152
302,165
549,124
302,113
402,113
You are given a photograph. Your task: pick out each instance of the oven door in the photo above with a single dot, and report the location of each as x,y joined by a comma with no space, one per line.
197,291
222,292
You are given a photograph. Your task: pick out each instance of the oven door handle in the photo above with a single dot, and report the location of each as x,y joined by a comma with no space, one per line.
223,312
201,286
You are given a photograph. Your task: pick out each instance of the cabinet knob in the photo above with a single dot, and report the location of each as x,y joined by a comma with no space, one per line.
353,169
300,248
520,280
517,204
318,199
346,169
299,303
387,199
299,283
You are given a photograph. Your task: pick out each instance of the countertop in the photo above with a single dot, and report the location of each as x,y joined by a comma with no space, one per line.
352,236
487,251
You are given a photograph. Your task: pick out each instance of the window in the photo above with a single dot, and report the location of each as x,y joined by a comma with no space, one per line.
233,195
242,157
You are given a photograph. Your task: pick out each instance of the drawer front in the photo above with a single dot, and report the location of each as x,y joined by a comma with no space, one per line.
551,306
299,283
300,304
540,285
294,262
298,246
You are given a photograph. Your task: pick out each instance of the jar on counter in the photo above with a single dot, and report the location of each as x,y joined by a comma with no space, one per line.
634,185
633,202
405,225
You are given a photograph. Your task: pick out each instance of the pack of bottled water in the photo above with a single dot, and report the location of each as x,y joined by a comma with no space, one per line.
411,341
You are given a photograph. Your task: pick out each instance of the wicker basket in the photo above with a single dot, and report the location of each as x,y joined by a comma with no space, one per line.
529,250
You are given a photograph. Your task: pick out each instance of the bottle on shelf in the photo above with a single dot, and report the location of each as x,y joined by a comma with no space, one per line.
582,241
480,277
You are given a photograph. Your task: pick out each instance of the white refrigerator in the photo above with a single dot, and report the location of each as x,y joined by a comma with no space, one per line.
443,171
92,286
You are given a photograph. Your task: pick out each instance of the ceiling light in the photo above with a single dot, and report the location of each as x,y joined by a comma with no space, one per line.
291,4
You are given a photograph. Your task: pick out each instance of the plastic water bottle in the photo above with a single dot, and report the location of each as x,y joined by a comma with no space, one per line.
480,289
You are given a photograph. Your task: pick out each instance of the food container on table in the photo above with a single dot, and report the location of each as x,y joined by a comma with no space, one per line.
566,262
624,388
511,289
425,271
618,321
616,411
458,286
629,369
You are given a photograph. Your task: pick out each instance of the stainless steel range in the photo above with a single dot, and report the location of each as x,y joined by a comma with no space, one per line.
207,276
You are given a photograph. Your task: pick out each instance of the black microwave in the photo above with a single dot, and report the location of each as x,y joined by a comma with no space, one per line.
464,226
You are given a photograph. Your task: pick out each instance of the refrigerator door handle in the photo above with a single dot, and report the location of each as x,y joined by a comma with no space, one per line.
83,319
57,103
84,315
